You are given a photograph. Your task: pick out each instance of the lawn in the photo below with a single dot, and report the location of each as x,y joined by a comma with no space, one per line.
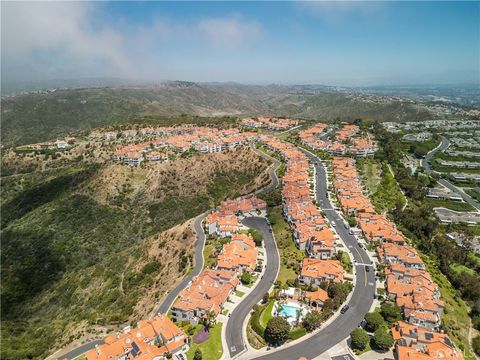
239,293
369,171
458,268
208,261
290,256
211,348
450,204
267,313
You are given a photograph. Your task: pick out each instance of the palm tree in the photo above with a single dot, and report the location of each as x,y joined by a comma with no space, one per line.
209,321
298,314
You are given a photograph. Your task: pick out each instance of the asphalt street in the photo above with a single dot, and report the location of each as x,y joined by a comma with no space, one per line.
363,292
234,331
426,165
198,266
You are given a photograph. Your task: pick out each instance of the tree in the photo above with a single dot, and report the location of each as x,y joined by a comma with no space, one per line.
390,312
374,321
277,330
209,320
257,237
312,320
338,291
360,339
382,339
198,355
246,278
265,298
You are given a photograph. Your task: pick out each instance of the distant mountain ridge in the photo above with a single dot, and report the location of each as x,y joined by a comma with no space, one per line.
45,115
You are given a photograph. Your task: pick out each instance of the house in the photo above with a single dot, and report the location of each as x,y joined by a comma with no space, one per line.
155,156
316,298
110,135
206,295
152,339
62,144
403,254
239,255
133,158
315,271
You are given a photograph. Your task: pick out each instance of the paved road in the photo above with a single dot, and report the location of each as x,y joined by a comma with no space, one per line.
426,165
197,269
234,329
169,300
81,350
361,299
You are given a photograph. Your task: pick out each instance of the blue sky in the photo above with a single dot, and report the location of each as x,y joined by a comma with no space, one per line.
334,43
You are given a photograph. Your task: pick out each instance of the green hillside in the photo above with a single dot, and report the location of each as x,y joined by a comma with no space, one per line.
73,263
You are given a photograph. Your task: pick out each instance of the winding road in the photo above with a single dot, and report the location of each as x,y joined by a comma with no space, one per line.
426,165
198,262
234,328
363,293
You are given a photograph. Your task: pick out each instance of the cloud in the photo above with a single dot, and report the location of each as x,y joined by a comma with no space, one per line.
229,33
62,33
81,39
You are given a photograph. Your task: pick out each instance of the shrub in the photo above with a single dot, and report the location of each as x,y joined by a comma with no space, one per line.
246,278
360,339
476,344
382,339
255,320
277,331
198,355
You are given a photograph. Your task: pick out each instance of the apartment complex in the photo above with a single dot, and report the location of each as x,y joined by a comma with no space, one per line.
408,284
310,230
346,140
154,339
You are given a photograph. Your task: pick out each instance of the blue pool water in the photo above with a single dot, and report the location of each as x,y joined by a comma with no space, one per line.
289,311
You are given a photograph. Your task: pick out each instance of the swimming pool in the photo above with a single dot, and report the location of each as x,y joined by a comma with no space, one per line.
290,311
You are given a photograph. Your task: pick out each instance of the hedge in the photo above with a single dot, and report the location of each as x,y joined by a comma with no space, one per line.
255,321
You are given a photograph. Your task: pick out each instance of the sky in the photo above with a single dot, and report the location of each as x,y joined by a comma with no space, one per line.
332,43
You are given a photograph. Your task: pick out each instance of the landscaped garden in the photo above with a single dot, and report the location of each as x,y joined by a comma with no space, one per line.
210,344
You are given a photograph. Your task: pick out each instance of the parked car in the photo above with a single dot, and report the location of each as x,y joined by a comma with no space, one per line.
344,309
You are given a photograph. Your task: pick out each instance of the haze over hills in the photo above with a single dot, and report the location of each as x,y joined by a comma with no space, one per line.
43,115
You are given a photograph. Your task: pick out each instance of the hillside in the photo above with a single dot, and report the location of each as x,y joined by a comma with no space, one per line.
36,117
90,246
